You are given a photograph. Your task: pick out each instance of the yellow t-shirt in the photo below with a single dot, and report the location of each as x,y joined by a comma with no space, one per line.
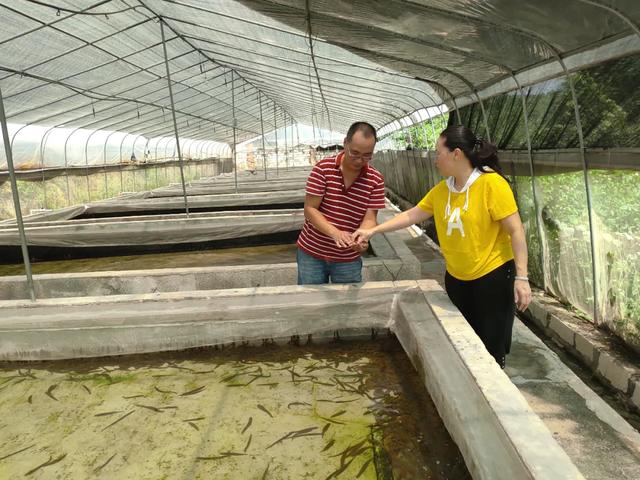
473,242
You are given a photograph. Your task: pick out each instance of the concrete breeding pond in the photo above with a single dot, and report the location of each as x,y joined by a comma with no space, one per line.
194,415
266,412
208,268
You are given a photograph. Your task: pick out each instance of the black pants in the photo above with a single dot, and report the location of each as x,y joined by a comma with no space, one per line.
488,304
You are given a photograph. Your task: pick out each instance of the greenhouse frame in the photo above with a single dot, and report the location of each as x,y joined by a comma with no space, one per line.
211,113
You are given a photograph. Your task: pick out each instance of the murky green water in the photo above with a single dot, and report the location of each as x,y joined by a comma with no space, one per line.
254,255
340,410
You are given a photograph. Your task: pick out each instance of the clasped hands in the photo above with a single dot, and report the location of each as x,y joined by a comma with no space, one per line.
358,240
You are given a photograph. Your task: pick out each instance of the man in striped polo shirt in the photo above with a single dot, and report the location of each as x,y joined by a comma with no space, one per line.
343,194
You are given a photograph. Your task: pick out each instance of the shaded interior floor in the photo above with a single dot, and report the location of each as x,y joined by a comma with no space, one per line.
599,441
353,409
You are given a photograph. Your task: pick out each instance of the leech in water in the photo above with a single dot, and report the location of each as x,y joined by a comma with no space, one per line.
49,391
246,447
229,377
118,420
265,410
149,407
104,414
363,468
294,434
247,425
192,392
323,383
193,419
328,445
87,389
46,464
165,391
222,455
173,365
17,452
340,470
338,401
96,470
331,420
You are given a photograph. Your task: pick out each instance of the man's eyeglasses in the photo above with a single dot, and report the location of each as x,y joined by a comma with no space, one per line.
365,157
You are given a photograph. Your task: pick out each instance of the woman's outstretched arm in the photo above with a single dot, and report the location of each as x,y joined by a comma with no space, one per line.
402,220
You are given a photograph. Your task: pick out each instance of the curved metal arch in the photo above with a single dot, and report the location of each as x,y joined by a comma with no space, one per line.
275,45
15,134
85,44
292,81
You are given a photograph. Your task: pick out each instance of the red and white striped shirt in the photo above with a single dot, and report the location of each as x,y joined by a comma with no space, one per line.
344,208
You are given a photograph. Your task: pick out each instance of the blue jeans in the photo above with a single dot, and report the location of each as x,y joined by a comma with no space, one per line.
313,271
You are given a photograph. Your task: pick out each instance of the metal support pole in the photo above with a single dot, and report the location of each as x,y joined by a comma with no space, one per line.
66,164
286,146
536,202
484,117
43,143
86,162
16,200
430,179
155,162
104,162
587,186
173,115
297,139
168,169
275,129
264,152
155,153
435,141
145,159
233,112
121,163
135,169
456,111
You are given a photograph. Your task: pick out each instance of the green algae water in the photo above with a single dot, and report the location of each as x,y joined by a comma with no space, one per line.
345,410
255,255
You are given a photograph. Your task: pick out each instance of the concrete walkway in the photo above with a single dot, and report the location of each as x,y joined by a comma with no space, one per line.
601,443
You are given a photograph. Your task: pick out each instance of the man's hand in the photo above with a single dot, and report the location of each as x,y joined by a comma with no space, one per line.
343,239
362,235
360,247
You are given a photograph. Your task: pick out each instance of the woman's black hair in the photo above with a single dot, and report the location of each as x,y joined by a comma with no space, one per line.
480,152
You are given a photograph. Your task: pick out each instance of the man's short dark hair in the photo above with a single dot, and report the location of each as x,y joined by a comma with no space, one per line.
364,127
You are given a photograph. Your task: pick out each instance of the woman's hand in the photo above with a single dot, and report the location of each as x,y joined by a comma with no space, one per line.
343,239
522,293
360,247
362,235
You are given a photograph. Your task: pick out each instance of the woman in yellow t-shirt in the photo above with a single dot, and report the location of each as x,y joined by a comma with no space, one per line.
480,234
